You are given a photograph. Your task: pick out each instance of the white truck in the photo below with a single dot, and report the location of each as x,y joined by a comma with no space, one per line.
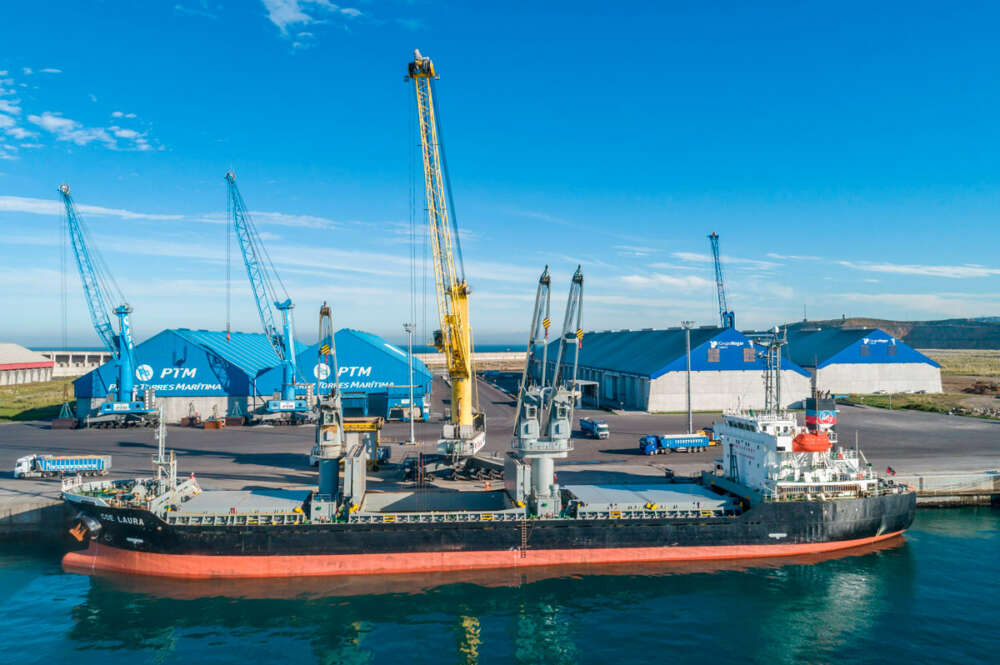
50,466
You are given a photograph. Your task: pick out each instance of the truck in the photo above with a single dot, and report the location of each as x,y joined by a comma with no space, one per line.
653,444
595,429
50,466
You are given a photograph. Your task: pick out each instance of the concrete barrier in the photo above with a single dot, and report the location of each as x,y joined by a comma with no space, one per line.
39,517
953,488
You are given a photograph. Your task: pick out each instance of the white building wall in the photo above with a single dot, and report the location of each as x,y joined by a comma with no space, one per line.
75,363
13,377
867,378
175,408
722,390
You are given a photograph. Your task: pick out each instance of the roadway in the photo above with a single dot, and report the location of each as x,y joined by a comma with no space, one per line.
246,457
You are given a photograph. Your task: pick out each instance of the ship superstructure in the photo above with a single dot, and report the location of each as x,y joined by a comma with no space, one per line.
769,456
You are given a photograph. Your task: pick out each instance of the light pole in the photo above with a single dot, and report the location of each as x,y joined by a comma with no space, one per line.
408,327
687,345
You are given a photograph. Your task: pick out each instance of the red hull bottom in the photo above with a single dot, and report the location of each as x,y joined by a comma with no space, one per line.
197,566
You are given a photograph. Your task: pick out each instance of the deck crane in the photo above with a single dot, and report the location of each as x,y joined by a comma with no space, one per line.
265,284
543,420
726,317
330,442
465,435
127,404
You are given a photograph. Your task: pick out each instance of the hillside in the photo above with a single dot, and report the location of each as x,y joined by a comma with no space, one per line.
979,333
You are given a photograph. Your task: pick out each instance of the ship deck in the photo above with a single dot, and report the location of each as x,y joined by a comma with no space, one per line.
261,500
675,497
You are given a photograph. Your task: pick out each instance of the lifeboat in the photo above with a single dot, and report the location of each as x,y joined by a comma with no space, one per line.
811,442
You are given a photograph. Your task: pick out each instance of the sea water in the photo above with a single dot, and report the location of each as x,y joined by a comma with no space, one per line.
932,596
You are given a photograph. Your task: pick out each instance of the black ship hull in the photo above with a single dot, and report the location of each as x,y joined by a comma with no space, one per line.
137,541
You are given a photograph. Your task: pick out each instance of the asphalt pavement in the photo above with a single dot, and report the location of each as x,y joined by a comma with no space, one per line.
248,457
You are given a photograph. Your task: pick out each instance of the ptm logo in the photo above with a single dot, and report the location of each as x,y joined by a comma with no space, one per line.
321,371
178,372
144,372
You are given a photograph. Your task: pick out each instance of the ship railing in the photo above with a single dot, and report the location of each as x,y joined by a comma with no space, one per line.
828,491
434,517
543,446
647,514
235,519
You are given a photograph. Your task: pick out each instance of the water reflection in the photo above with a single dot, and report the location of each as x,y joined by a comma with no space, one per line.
802,605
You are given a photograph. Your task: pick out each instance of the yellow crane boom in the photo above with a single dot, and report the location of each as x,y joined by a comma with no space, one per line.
454,337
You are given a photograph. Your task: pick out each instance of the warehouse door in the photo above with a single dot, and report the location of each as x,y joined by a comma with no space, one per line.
378,404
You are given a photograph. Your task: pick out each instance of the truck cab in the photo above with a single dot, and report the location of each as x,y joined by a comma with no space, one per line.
597,429
22,467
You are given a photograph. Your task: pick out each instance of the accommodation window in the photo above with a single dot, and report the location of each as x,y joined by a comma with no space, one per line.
713,355
865,350
748,354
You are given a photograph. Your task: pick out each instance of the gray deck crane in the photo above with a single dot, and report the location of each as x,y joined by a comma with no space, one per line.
543,422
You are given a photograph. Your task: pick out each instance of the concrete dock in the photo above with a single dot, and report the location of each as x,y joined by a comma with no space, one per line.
949,459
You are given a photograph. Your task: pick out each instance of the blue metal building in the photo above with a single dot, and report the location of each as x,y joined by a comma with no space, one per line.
200,371
862,361
374,376
646,370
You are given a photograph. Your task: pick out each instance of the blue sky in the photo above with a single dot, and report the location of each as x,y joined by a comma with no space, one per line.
846,154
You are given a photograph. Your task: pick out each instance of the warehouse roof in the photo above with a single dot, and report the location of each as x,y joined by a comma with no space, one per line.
251,352
366,361
817,347
653,353
15,356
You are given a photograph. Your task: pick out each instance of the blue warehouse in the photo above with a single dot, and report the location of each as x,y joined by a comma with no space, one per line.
646,370
202,372
862,361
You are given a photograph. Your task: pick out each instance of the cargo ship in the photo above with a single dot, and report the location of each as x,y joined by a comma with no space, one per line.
780,488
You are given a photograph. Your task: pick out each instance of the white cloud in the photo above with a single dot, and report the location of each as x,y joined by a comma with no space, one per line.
66,129
949,272
935,304
6,121
125,133
276,219
195,11
121,114
21,133
51,70
794,257
10,106
661,280
285,13
694,257
54,207
27,71
93,97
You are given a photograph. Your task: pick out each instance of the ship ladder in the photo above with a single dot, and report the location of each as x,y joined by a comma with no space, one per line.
524,538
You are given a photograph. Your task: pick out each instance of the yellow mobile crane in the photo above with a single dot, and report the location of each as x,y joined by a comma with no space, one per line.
464,435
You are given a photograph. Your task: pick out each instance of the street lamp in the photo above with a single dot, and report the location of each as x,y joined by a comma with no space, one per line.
687,345
409,327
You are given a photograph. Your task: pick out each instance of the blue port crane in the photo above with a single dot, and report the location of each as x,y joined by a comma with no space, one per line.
127,404
726,317
270,297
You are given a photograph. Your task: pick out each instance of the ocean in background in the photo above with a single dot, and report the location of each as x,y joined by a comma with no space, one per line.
930,597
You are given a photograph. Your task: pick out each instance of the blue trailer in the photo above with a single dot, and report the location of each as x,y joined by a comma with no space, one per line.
595,429
651,444
49,466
